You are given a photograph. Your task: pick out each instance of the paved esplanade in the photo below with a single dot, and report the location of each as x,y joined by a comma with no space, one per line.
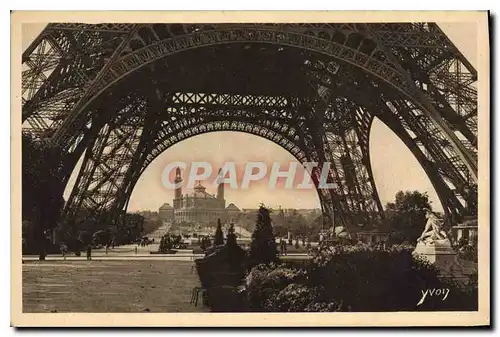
127,252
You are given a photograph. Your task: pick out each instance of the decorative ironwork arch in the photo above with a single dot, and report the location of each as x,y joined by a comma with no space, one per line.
282,135
268,132
387,70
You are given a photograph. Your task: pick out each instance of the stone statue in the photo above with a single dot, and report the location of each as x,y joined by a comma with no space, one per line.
433,230
435,247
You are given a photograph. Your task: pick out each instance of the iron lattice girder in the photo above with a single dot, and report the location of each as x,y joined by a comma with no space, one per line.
188,124
439,162
105,165
437,147
345,128
429,146
173,131
427,149
113,28
358,195
423,101
409,122
75,60
411,117
69,66
282,129
140,57
51,90
389,33
449,83
353,47
448,197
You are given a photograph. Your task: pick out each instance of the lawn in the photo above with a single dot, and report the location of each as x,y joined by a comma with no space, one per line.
109,286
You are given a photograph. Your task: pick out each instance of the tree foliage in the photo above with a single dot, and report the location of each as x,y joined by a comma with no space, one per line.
219,236
132,230
231,236
263,249
299,224
406,215
42,187
152,221
466,249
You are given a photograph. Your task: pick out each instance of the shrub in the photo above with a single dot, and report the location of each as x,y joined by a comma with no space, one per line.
323,307
263,249
294,297
276,288
222,271
264,282
373,278
219,237
357,278
231,237
466,250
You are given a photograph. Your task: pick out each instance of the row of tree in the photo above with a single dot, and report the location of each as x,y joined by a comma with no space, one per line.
291,222
42,202
405,219
152,221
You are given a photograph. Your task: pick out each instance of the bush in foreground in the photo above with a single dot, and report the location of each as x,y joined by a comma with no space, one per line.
356,278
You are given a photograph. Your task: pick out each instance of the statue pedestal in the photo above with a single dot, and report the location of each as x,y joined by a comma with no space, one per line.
442,256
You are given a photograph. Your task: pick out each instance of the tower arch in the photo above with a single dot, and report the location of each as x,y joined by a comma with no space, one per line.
155,83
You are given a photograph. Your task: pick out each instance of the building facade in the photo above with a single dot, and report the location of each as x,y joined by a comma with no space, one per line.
199,206
467,229
232,212
166,212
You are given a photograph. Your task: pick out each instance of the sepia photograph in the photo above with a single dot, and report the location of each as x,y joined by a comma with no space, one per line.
168,164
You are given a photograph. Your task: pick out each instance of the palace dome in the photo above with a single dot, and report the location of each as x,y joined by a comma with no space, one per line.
166,206
232,207
199,192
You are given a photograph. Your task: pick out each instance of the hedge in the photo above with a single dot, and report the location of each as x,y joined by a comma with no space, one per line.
359,278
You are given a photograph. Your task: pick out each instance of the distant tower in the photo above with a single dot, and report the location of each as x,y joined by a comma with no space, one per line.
220,188
178,190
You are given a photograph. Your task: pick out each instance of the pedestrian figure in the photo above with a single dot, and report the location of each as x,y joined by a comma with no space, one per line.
89,252
135,250
64,250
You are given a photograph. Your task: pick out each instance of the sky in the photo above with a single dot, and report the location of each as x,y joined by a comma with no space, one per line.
394,166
